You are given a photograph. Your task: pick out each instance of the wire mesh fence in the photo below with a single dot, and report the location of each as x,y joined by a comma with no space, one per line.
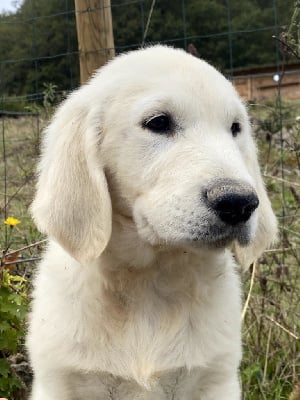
39,65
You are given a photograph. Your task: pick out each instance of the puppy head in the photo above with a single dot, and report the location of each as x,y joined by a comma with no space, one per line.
174,140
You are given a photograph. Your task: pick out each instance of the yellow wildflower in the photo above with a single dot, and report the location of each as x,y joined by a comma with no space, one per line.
11,221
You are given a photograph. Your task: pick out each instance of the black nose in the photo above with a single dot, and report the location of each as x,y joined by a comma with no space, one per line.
233,202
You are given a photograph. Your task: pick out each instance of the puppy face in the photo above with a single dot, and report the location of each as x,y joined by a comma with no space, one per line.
162,138
179,133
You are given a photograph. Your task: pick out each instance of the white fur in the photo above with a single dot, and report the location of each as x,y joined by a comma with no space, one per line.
125,307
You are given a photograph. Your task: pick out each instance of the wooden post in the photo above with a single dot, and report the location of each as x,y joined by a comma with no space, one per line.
95,35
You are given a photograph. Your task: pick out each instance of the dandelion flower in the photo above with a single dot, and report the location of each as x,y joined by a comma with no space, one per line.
11,221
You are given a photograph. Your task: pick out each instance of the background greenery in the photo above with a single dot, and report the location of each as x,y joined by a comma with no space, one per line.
38,43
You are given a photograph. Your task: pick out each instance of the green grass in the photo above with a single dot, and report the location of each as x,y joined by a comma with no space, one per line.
271,329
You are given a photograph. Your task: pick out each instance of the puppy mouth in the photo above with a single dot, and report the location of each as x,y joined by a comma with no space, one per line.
216,236
208,236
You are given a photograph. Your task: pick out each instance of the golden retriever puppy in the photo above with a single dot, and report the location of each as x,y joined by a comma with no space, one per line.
148,179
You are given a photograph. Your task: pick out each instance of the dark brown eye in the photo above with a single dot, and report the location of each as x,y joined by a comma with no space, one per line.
235,128
160,124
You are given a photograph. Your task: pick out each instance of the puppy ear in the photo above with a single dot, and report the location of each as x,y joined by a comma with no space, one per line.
266,230
72,203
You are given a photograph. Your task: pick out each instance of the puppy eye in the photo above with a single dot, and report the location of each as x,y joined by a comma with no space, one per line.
159,124
235,128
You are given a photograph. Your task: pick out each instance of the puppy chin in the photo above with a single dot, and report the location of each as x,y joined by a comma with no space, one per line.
225,236
209,236
216,234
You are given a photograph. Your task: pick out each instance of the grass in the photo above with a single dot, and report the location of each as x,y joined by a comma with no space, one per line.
271,329
19,148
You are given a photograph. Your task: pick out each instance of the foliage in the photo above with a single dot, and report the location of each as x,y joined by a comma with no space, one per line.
37,48
273,114
39,44
13,308
271,331
290,38
231,34
15,273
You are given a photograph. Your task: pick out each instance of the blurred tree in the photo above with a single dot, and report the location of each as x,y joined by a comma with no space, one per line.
39,43
42,46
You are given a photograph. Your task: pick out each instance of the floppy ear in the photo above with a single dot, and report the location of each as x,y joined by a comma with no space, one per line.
72,203
266,231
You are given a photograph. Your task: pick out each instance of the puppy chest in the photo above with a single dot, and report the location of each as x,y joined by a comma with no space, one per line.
177,384
158,325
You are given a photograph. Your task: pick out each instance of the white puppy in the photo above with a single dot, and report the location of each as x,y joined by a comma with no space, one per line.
148,177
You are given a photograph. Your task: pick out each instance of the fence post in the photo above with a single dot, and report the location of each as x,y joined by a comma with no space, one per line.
95,35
